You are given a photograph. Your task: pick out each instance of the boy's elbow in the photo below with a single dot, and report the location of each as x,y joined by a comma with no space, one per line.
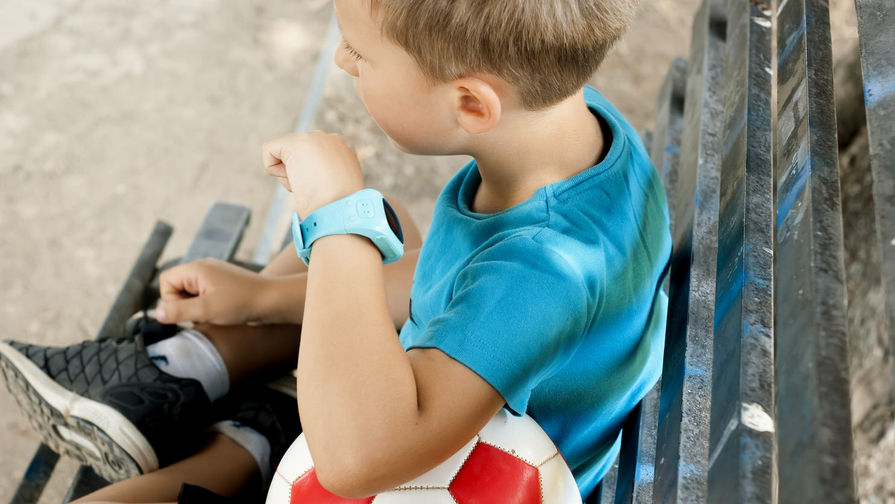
350,476
339,482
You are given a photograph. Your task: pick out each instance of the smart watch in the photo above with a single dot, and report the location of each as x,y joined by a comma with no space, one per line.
364,213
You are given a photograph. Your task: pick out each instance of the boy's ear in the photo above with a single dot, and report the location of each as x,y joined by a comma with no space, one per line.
476,105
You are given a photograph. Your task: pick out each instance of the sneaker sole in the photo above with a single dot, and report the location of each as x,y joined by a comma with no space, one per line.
73,425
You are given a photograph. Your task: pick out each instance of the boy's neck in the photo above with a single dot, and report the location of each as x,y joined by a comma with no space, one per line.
534,149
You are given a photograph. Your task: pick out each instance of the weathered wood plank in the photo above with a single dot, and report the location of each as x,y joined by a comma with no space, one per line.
876,30
86,481
220,233
815,452
665,147
628,457
36,476
683,424
130,297
741,437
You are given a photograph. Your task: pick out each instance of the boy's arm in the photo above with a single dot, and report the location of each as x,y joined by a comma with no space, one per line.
209,290
375,416
285,263
283,300
216,292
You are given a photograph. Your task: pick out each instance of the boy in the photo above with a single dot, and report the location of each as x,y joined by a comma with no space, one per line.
538,288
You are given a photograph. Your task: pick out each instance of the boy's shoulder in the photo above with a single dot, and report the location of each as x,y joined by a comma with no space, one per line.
569,220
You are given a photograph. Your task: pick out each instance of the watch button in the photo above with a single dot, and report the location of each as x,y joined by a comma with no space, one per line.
365,209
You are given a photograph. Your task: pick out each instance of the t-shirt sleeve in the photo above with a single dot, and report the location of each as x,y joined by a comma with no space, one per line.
518,312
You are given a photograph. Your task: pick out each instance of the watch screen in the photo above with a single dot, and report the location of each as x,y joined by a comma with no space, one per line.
393,222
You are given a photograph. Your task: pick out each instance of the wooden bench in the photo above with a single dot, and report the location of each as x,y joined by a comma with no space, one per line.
753,404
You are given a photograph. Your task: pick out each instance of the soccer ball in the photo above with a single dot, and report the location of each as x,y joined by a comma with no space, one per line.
512,461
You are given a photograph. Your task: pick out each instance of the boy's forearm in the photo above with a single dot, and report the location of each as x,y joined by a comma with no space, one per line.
355,379
285,263
283,300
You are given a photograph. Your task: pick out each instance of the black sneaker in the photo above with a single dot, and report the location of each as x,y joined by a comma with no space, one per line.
270,410
106,404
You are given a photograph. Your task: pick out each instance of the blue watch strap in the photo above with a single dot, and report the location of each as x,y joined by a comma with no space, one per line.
364,213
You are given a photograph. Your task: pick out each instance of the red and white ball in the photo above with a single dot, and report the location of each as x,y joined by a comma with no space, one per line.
512,461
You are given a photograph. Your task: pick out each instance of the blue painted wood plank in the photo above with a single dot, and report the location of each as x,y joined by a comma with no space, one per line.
741,436
876,30
683,423
815,452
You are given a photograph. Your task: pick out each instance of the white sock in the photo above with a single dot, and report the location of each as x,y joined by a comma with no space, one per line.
250,439
189,354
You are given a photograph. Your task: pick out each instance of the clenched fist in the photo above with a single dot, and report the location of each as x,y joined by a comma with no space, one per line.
317,168
209,290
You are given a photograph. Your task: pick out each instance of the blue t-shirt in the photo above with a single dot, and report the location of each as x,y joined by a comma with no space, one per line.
556,302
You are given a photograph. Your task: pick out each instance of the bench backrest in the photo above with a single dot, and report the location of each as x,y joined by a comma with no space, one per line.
813,427
753,403
876,26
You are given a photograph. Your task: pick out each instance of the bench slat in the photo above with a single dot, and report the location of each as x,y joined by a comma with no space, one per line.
130,297
741,438
683,424
645,463
85,481
626,485
875,26
665,148
815,453
36,476
606,492
220,233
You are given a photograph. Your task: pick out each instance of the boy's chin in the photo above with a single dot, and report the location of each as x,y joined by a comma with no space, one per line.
420,150
398,145
406,149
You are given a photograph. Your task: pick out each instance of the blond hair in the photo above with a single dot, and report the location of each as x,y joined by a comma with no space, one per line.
546,49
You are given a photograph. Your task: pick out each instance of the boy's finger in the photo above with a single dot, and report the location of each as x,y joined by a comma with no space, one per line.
178,282
172,295
277,170
183,310
272,153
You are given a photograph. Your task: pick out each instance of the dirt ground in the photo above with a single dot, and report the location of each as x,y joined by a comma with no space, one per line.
116,113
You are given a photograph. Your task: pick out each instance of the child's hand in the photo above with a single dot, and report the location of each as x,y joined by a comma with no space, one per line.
209,290
316,167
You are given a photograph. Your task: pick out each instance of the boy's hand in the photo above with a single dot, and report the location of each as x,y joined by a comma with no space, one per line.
318,168
209,290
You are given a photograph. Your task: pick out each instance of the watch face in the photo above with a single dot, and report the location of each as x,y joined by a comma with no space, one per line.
393,222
